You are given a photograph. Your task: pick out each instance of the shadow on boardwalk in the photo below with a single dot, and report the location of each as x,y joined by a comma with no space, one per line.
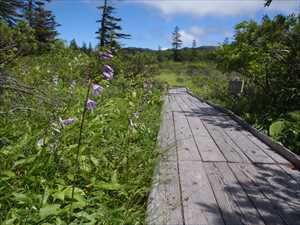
214,172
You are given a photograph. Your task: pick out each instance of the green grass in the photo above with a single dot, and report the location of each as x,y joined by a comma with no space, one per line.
201,77
117,155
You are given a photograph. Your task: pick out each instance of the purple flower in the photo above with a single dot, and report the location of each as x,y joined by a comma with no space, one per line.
97,89
90,104
108,72
106,55
68,121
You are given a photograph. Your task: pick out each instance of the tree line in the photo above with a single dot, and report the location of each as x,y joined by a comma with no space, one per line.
27,26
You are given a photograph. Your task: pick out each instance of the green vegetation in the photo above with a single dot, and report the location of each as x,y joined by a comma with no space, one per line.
117,153
78,126
265,56
201,77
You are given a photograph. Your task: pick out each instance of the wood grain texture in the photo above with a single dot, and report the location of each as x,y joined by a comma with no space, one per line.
166,137
235,205
199,203
213,171
288,213
187,149
165,203
207,148
266,209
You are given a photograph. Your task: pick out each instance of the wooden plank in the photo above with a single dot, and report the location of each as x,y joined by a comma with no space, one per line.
287,188
199,203
177,91
275,156
276,146
172,104
166,138
208,150
266,209
165,207
181,104
288,214
229,208
204,108
235,193
186,147
266,149
252,151
295,174
229,149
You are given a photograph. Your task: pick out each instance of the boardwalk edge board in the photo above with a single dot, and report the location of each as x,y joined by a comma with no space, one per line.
274,145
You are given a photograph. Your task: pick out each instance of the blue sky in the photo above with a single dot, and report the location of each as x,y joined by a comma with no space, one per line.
151,22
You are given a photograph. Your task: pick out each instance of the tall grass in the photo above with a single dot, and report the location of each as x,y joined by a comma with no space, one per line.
117,152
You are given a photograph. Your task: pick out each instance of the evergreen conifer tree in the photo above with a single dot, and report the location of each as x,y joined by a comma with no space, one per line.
84,47
194,44
109,31
90,49
29,9
8,10
176,42
44,25
73,45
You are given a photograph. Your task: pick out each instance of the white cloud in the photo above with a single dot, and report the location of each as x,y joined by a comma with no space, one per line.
220,7
194,33
187,38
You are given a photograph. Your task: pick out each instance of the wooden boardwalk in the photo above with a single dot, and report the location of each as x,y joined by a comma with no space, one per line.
214,172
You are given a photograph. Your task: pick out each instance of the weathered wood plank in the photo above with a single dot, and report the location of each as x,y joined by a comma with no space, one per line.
229,149
288,214
203,108
177,91
275,156
266,149
165,207
234,193
166,137
287,188
253,152
295,174
186,146
173,106
275,146
199,203
229,209
208,150
266,209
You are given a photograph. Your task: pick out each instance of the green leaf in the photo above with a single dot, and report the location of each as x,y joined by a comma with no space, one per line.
277,128
49,210
60,195
109,186
21,198
24,161
8,173
94,160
